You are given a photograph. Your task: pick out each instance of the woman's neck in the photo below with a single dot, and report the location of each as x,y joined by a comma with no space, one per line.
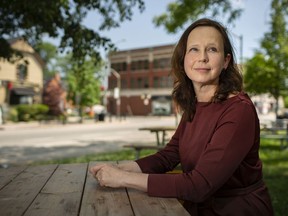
205,94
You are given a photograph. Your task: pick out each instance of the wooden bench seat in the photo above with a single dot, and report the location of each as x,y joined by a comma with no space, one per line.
139,148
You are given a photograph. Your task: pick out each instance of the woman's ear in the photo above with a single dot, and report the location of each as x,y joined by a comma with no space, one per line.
227,60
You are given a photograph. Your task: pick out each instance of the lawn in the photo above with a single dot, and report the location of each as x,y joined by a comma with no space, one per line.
275,169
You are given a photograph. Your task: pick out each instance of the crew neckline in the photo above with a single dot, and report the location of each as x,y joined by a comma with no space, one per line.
201,104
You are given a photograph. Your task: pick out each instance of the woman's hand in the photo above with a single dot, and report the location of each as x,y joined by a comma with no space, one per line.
109,175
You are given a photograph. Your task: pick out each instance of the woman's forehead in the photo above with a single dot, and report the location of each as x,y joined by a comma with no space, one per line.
205,34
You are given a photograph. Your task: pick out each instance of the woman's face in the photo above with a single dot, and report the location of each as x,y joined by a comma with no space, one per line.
204,59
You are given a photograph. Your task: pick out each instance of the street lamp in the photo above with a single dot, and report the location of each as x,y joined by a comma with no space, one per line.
240,38
117,75
117,95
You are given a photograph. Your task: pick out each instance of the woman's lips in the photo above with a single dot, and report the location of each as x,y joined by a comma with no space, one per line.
202,69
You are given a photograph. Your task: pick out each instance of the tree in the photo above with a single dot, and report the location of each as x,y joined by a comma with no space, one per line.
62,19
258,68
182,11
82,82
267,71
54,96
83,85
48,53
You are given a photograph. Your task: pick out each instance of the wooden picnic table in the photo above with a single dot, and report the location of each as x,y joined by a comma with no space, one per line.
69,189
160,132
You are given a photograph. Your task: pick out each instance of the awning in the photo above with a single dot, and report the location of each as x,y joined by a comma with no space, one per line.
23,91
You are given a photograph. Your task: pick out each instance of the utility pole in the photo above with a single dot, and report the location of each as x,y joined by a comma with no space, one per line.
117,95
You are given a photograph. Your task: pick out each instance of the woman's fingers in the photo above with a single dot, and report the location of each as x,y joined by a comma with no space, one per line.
109,175
93,170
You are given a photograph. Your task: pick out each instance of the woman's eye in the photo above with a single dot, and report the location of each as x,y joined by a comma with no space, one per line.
193,49
212,49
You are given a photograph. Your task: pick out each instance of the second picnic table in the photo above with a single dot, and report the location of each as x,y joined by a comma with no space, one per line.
160,132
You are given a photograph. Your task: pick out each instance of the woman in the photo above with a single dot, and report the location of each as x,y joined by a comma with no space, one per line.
216,142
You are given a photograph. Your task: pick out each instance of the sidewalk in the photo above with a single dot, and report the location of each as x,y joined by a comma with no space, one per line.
25,143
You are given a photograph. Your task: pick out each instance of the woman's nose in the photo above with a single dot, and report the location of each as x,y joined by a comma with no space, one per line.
203,56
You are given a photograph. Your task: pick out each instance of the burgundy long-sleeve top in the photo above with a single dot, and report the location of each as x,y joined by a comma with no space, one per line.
218,151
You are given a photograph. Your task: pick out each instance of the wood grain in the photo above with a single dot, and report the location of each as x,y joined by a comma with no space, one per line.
62,194
7,175
103,201
144,205
19,194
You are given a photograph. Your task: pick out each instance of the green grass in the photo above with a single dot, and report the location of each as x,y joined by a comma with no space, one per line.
275,169
111,156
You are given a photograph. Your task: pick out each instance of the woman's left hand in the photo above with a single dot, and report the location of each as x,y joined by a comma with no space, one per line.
108,175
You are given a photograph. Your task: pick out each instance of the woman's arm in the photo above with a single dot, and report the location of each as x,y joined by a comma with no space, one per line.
111,176
130,166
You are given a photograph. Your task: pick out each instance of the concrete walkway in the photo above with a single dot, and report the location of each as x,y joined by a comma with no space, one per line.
25,143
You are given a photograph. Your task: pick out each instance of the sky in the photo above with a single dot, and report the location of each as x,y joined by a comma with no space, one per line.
140,32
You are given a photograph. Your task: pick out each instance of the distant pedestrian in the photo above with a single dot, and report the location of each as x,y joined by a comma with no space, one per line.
1,115
217,139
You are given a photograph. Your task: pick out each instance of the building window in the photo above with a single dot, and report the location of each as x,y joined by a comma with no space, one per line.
140,65
22,72
139,83
146,82
162,63
155,82
121,66
162,82
133,85
123,83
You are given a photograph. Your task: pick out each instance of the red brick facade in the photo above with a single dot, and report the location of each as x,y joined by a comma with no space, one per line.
145,81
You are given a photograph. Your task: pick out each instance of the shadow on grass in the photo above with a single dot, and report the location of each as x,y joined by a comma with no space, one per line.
275,171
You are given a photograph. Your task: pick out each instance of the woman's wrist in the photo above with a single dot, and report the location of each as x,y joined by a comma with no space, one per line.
130,166
134,180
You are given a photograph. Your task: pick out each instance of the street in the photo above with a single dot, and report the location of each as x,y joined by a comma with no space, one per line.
29,142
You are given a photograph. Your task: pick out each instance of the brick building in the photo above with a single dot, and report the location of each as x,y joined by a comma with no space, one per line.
144,81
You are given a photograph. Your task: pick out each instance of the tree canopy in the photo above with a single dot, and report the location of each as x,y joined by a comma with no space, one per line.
267,71
63,19
182,11
48,53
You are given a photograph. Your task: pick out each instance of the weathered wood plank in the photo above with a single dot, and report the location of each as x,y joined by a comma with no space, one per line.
62,194
102,201
144,205
7,175
19,194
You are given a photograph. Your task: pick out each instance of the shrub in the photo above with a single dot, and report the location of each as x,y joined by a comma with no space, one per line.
13,114
28,112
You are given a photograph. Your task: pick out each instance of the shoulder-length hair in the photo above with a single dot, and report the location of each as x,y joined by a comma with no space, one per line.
230,80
